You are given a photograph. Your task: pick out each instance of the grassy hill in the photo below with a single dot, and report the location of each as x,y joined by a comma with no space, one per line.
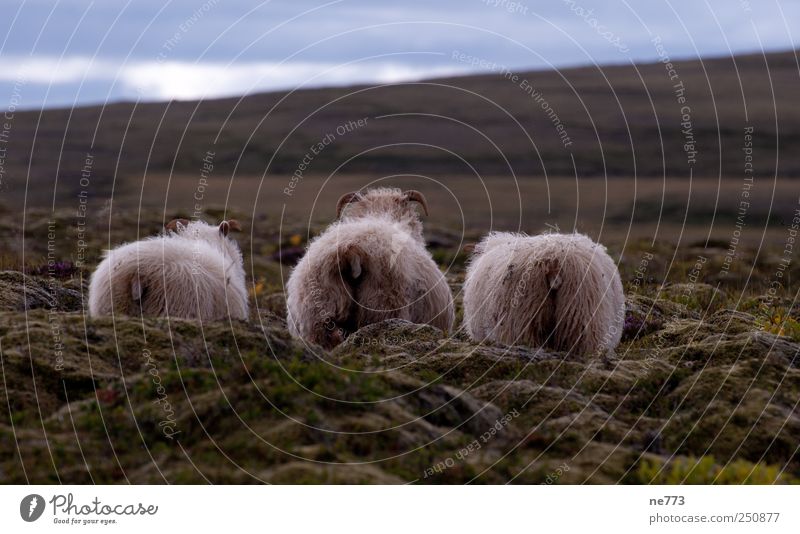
703,388
619,120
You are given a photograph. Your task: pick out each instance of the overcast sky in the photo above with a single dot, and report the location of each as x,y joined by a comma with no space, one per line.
77,52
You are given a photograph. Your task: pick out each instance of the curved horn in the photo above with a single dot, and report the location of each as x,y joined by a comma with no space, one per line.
234,225
173,224
413,195
346,199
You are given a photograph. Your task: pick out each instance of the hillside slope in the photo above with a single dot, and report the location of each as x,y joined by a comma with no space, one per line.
704,385
619,120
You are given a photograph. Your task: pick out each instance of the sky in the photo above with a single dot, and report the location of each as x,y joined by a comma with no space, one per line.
64,53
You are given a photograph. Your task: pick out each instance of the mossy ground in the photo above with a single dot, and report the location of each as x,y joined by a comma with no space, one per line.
703,389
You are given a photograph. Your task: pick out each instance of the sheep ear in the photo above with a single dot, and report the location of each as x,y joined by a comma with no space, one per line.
346,199
415,196
231,225
176,225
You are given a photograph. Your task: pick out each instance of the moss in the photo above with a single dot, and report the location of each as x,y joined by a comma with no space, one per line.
705,470
701,373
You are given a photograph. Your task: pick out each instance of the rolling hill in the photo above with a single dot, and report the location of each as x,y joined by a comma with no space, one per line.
647,120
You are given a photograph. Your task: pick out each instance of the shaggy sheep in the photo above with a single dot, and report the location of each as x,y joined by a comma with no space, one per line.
369,266
193,270
561,291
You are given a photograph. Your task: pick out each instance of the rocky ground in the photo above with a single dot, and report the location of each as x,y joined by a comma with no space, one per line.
704,388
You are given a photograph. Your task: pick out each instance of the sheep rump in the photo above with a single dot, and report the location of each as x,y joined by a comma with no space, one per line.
195,272
560,291
370,266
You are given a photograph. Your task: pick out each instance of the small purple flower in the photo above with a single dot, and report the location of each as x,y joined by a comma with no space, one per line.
632,326
57,269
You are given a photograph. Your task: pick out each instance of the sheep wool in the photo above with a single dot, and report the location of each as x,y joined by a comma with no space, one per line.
369,266
560,291
194,270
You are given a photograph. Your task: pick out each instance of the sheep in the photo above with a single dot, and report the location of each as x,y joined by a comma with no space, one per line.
561,291
193,270
368,266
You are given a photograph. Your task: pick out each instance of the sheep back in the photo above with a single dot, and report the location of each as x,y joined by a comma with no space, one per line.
171,276
360,272
561,291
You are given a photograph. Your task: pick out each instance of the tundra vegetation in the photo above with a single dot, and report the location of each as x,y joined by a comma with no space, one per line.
703,387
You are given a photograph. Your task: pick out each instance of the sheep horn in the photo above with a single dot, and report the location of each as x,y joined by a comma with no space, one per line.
235,225
346,199
413,195
173,224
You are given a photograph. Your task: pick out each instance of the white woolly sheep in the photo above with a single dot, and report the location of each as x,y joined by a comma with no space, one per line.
193,270
561,291
369,266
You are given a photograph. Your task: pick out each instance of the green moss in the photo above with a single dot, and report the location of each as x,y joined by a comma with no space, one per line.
705,470
697,379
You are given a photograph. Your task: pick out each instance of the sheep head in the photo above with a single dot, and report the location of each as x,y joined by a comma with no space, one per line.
216,235
200,228
384,202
